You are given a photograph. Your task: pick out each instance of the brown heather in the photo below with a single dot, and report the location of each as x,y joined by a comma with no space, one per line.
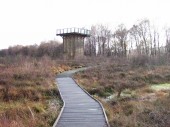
28,94
134,103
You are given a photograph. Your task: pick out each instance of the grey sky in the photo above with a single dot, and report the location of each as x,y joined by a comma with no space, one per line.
26,22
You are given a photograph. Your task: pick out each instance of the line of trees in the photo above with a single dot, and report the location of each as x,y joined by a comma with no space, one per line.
141,39
52,49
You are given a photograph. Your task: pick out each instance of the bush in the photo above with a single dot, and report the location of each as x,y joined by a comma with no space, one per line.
140,61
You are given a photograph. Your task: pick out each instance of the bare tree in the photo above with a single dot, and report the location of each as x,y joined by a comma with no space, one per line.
104,37
144,33
135,38
145,37
99,42
121,37
156,45
167,40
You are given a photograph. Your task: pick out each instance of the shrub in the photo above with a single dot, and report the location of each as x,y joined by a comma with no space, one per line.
140,61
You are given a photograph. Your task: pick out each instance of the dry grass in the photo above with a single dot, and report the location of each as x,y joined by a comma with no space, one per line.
28,94
139,106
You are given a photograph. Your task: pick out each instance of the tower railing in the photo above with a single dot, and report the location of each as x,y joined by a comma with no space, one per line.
73,30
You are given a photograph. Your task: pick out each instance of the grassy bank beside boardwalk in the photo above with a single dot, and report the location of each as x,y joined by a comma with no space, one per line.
28,93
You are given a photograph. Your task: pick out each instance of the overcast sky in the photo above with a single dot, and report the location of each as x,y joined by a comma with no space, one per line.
27,22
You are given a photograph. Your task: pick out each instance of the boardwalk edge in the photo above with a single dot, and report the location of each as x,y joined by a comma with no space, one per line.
107,122
62,109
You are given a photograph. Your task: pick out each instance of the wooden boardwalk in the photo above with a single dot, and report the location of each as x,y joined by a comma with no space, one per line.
80,110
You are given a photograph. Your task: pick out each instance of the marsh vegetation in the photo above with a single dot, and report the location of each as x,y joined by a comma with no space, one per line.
132,96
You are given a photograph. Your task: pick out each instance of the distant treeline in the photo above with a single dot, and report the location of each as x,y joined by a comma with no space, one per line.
143,38
52,49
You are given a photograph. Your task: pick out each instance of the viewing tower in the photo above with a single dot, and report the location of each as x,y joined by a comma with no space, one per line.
73,41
